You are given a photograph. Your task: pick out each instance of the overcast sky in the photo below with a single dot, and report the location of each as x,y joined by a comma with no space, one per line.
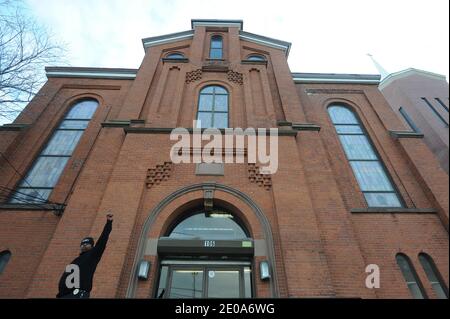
326,35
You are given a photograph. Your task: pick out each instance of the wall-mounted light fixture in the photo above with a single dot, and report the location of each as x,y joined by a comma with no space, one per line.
143,269
264,270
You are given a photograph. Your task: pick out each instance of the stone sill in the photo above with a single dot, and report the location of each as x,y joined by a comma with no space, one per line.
405,134
170,60
382,210
13,127
57,209
254,62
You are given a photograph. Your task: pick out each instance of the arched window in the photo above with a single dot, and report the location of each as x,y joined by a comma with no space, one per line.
4,258
213,107
256,57
366,165
47,168
213,225
434,276
411,278
175,56
216,48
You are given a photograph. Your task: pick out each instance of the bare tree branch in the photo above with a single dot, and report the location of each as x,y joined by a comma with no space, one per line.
25,49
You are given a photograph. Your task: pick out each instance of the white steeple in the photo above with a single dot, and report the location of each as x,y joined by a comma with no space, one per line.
380,69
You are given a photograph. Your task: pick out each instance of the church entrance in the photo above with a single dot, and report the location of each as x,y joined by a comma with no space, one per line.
206,254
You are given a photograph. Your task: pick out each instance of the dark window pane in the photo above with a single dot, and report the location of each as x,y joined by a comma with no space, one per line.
223,283
162,282
45,172
28,195
4,258
205,102
248,282
83,110
62,143
410,276
433,276
187,283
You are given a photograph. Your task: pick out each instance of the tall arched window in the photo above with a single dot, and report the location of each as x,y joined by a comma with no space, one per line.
410,275
48,166
4,258
213,107
434,276
216,48
366,165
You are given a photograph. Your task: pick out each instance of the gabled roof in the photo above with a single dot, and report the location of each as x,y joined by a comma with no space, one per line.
217,23
408,72
93,73
247,36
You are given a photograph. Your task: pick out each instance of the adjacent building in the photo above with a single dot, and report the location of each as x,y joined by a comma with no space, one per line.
421,99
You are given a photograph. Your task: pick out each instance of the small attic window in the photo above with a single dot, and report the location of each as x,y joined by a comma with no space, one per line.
175,56
256,57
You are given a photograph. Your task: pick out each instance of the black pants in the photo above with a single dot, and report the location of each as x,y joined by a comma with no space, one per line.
82,294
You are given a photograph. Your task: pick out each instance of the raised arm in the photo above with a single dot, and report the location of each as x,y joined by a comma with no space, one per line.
99,248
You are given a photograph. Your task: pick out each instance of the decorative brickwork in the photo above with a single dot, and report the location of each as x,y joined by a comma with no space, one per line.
193,76
235,77
262,180
160,173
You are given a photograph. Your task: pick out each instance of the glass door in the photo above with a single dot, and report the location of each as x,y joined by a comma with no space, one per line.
224,280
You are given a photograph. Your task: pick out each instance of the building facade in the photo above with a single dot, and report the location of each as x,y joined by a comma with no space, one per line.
420,98
354,186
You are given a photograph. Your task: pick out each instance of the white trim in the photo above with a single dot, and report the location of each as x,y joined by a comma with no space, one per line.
264,42
90,74
404,73
151,43
216,24
337,80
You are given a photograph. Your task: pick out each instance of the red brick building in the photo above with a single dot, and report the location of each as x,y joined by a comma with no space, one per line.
420,98
354,186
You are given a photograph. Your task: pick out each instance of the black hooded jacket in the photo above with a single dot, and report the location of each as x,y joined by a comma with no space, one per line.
87,262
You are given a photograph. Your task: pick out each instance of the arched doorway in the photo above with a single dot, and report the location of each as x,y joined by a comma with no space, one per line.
205,254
